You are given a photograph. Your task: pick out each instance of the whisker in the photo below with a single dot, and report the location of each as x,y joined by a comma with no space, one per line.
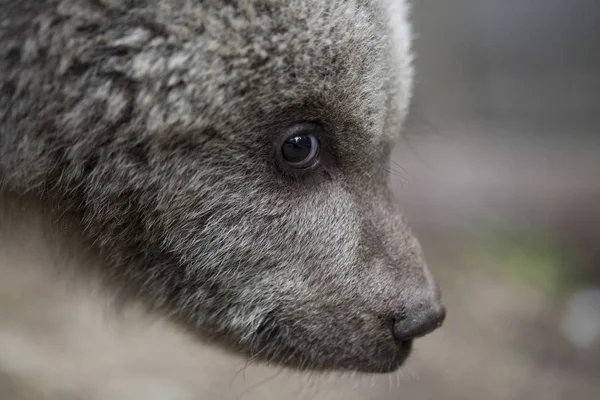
261,382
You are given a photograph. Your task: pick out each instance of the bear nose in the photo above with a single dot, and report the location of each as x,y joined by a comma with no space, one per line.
419,324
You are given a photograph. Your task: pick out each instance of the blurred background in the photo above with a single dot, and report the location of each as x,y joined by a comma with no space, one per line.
498,170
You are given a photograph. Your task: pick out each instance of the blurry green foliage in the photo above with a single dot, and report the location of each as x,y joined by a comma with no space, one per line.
524,257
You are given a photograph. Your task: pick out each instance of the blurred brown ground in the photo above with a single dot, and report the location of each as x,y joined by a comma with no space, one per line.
498,172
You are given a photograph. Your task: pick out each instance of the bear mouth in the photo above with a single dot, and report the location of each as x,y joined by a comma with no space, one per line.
404,349
274,344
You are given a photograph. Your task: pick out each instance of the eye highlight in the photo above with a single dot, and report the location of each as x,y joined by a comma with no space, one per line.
300,151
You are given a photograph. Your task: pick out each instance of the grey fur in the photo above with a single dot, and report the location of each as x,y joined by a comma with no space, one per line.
152,123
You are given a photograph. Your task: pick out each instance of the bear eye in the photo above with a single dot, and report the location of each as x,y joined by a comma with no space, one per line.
300,151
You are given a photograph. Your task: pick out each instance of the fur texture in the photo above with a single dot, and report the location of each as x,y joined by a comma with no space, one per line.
152,122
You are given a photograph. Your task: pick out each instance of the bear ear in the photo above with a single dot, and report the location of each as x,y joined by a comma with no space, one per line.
398,12
401,57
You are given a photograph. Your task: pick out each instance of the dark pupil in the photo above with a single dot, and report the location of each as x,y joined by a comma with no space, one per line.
297,149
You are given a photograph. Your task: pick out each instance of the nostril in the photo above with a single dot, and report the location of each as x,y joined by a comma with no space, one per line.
418,325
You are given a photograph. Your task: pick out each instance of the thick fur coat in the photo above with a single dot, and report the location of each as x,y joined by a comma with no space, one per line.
155,125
